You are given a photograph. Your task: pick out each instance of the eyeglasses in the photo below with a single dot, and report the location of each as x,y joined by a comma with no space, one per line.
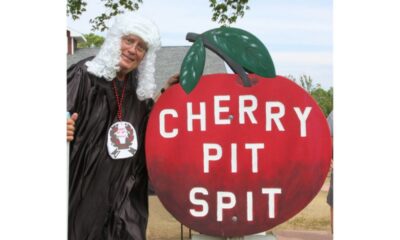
133,41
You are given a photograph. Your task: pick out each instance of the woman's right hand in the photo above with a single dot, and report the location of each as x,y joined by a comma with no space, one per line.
71,127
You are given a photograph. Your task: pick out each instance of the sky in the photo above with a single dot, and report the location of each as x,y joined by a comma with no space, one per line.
297,33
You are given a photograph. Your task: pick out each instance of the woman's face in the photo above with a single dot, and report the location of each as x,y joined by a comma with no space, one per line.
133,49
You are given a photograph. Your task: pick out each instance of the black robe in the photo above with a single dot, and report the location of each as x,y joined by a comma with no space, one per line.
107,198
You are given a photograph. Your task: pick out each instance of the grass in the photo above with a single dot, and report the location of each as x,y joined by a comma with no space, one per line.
316,216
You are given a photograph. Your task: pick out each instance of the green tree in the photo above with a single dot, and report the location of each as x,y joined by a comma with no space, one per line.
322,97
307,83
92,40
224,12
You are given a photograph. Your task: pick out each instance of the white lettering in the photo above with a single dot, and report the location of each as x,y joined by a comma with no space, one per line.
203,203
207,157
249,206
221,205
271,199
201,116
218,110
274,116
174,131
247,109
254,154
227,200
303,118
234,158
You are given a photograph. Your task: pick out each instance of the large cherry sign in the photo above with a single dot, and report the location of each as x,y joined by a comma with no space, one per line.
229,160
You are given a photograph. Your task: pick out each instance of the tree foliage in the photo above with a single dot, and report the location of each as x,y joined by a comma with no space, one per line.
75,8
322,97
224,12
113,7
92,40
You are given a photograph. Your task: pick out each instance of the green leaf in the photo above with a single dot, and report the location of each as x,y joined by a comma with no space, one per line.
192,66
244,48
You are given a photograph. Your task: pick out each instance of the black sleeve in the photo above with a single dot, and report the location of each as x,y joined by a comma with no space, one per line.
149,105
78,83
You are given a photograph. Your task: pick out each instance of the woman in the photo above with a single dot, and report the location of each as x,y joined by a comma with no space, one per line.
112,94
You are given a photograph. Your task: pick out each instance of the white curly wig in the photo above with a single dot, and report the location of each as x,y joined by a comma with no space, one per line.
106,62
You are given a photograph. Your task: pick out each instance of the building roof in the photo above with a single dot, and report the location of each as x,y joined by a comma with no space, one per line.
77,35
81,53
168,62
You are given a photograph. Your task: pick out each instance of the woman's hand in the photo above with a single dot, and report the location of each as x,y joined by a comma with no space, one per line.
71,127
174,79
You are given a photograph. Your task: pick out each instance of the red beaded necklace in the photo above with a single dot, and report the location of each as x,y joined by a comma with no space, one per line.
118,99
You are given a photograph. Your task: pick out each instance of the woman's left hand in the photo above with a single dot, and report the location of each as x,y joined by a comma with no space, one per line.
174,79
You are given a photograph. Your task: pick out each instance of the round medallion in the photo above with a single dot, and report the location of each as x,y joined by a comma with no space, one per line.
121,140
